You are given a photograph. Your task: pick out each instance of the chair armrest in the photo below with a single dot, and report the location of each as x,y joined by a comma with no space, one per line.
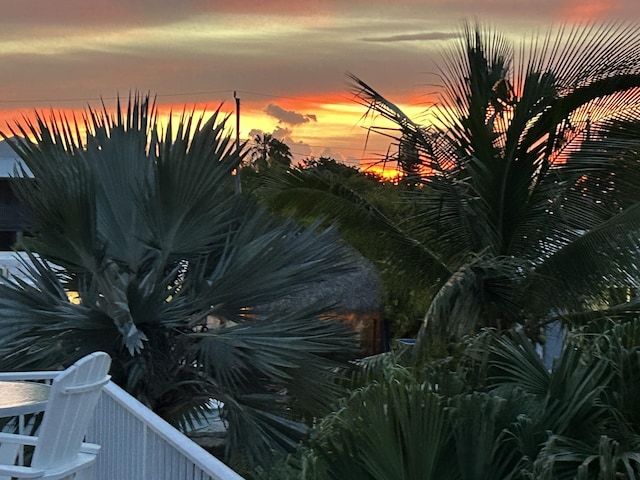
90,448
85,447
81,462
86,457
16,438
21,472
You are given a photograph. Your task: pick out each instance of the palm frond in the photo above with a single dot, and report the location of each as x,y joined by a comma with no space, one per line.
567,398
147,228
271,374
562,457
391,430
311,194
479,423
607,257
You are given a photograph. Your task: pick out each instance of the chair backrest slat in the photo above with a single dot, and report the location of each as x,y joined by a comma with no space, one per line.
74,394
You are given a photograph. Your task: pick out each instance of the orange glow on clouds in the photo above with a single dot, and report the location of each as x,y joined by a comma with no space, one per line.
585,10
335,124
54,51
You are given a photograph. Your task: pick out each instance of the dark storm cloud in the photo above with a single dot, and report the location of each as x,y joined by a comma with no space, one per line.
428,36
288,116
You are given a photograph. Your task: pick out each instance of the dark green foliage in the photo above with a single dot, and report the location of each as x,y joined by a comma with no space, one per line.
508,418
526,213
183,282
371,216
520,201
269,152
528,200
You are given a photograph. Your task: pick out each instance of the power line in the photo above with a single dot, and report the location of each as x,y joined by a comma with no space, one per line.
269,95
172,94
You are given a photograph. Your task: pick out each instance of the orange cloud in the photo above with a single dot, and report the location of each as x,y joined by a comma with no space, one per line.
585,10
339,129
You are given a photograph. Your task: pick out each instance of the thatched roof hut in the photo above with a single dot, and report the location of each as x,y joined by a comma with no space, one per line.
353,296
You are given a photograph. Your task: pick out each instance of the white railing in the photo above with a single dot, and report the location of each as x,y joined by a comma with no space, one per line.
139,445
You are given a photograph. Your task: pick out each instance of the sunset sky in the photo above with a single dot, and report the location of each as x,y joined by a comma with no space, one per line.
287,60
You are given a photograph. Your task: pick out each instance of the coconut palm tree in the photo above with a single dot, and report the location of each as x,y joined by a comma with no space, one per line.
514,201
268,151
186,285
527,203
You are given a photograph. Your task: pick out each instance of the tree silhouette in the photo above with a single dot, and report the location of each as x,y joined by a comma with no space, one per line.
268,151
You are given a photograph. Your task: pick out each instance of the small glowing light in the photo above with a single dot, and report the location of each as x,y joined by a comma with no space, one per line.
74,297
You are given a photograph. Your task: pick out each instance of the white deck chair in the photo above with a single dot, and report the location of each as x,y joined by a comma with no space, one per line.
59,451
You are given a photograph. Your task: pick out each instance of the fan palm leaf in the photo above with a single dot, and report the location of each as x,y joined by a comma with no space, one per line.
194,291
387,430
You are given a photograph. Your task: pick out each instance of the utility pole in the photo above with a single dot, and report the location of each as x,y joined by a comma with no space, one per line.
238,184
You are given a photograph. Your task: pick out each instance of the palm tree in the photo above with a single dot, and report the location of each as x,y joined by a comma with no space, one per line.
527,206
492,410
268,151
185,284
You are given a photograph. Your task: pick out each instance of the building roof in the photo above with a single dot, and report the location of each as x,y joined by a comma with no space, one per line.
9,160
356,291
11,263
